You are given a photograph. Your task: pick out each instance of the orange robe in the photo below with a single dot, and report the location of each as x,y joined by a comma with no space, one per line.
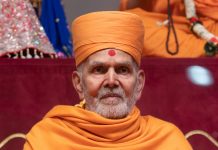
154,11
74,128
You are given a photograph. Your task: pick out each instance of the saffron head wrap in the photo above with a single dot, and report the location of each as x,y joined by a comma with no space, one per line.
107,29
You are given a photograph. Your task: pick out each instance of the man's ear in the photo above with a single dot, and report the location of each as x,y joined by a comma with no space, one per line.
140,83
77,83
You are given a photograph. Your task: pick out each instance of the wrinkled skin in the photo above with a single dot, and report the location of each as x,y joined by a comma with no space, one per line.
110,84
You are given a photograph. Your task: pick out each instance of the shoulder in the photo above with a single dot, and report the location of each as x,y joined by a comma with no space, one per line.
46,125
42,132
156,123
167,132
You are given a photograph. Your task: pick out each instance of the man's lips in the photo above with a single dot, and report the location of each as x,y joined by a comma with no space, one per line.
110,99
110,95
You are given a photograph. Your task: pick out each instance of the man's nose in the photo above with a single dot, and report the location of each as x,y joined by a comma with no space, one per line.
111,79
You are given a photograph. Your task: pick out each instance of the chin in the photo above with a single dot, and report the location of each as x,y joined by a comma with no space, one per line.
117,111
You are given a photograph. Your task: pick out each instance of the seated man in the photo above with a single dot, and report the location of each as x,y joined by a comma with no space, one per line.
108,48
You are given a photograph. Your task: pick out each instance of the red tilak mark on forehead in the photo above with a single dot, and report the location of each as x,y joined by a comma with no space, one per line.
111,52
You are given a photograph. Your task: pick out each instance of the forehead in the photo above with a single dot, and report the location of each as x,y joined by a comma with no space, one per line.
110,56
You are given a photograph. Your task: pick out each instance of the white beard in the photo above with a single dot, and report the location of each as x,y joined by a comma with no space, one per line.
120,109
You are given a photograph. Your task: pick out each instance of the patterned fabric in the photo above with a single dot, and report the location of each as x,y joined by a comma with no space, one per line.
54,21
20,29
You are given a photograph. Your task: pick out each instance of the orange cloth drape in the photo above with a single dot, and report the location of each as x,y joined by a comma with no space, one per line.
160,6
190,45
204,8
70,127
207,8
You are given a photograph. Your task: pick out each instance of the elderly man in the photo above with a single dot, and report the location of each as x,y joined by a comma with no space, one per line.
108,49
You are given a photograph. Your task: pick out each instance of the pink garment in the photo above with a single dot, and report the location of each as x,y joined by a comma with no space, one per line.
20,30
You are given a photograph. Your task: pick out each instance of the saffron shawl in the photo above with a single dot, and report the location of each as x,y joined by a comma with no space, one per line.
70,127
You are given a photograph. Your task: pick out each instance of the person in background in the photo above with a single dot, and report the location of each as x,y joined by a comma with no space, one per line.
177,28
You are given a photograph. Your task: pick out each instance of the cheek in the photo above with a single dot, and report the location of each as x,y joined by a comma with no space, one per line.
128,86
92,86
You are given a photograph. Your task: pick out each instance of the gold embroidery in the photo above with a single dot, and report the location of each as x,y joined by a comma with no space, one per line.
203,133
10,137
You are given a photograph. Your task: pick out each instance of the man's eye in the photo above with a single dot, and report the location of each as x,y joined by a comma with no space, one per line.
99,70
123,70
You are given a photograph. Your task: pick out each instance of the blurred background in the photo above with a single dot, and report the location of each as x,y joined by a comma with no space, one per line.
75,8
